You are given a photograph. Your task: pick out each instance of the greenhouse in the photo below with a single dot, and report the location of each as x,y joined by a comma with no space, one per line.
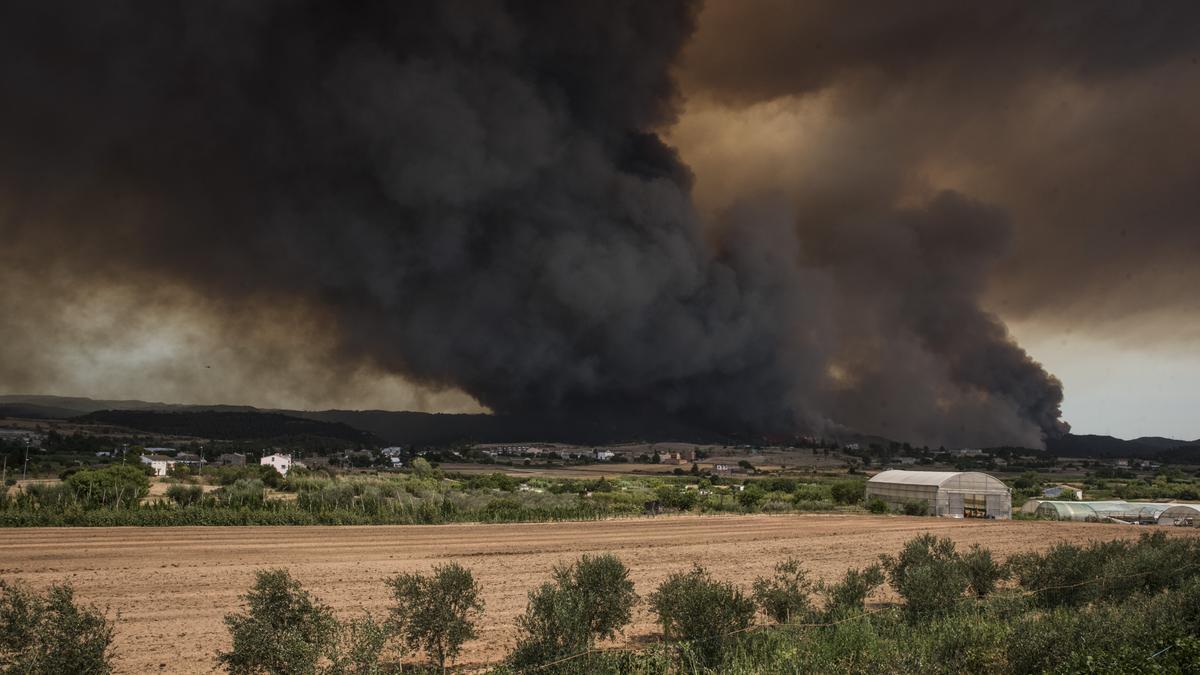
1181,515
958,494
1030,506
1126,512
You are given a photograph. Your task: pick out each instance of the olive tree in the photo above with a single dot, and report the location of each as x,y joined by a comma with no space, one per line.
436,613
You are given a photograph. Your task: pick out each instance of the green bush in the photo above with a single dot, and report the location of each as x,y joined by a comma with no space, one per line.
672,497
982,570
849,596
787,596
1061,576
877,505
437,613
751,497
421,468
587,601
928,573
48,633
360,647
117,485
693,607
242,493
915,507
848,491
284,630
185,495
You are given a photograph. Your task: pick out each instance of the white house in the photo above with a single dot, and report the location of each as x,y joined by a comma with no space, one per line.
1057,491
604,455
160,463
279,462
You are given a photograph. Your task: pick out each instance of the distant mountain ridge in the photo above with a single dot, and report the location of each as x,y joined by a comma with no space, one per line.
405,428
228,425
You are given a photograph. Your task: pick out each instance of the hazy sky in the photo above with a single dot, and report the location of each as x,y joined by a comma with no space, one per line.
878,215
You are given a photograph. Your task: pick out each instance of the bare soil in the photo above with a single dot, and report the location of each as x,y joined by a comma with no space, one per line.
170,587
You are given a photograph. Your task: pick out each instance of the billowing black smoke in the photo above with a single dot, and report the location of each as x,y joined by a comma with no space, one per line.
473,194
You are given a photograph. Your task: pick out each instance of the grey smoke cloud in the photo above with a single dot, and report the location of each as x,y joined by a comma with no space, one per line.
476,196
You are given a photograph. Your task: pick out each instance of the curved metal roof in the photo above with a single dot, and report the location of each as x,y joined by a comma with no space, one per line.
934,478
1181,511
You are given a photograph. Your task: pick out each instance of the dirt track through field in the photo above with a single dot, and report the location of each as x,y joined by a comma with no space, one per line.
171,586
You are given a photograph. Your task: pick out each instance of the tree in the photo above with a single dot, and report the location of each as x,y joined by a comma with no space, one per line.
751,497
928,573
850,594
693,607
587,601
116,485
786,597
283,630
983,572
421,468
848,491
437,613
185,495
48,633
877,505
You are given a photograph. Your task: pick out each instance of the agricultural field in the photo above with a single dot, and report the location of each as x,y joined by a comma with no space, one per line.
169,588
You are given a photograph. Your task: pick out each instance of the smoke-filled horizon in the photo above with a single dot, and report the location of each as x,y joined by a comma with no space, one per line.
459,204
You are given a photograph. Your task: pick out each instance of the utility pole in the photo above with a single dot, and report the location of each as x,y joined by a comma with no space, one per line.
25,469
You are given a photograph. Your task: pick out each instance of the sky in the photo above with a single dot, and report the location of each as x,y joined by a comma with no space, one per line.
944,222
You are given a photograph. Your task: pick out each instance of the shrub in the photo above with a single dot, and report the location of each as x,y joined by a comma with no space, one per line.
672,497
877,505
812,492
185,495
421,468
243,492
751,497
850,594
785,597
982,570
848,491
116,485
437,613
1059,577
917,507
360,647
693,607
48,633
284,630
928,573
591,599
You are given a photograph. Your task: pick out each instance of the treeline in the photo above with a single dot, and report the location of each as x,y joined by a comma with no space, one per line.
229,426
1122,606
245,495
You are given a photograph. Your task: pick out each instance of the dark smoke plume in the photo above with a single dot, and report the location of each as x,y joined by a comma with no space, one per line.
475,195
1081,118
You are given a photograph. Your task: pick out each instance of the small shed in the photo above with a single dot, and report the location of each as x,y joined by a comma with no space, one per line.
957,494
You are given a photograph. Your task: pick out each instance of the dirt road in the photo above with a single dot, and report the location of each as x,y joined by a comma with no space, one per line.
171,586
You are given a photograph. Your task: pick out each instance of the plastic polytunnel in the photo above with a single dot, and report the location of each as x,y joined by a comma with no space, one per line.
956,494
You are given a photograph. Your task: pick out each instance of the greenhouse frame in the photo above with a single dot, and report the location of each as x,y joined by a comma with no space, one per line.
957,494
1181,515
